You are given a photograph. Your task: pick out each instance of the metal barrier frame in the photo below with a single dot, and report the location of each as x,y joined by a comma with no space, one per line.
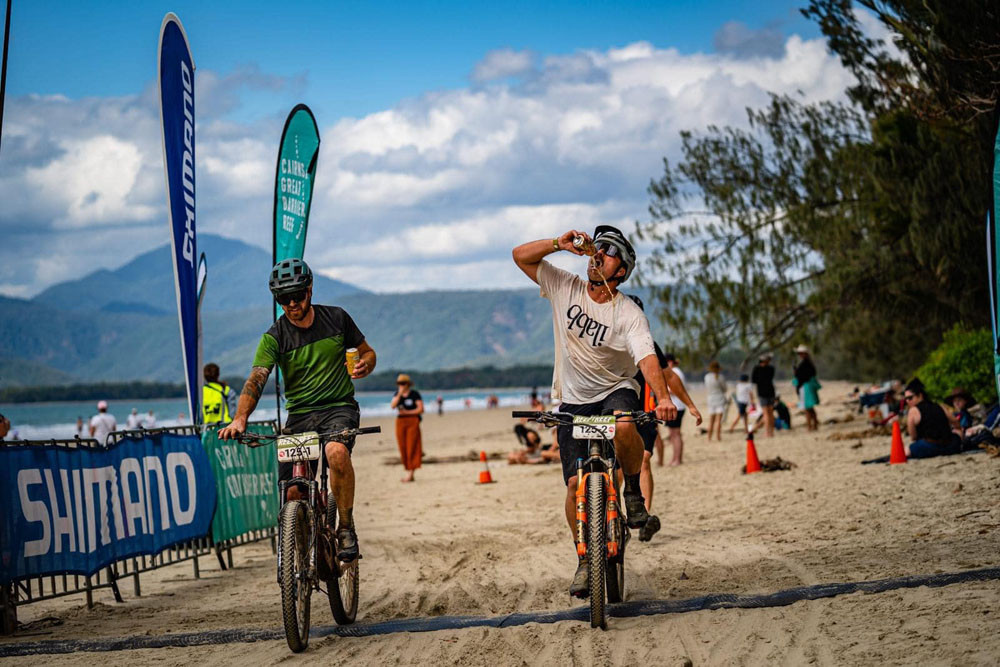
48,587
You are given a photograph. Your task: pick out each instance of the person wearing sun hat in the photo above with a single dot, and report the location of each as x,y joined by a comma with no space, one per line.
807,386
410,406
102,423
960,401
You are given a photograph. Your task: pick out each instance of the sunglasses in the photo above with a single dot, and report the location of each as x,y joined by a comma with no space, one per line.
285,299
909,398
608,249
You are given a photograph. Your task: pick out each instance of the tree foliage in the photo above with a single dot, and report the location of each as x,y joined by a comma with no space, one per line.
964,359
855,225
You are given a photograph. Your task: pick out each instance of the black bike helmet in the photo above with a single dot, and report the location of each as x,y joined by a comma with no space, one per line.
614,237
290,275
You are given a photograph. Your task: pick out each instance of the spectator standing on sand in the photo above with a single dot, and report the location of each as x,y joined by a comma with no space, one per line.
744,399
149,421
762,377
102,423
81,429
440,402
133,421
674,425
410,406
807,386
715,387
218,401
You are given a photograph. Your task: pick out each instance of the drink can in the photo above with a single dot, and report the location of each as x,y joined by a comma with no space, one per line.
353,357
581,243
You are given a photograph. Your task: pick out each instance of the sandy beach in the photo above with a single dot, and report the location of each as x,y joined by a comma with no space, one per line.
445,545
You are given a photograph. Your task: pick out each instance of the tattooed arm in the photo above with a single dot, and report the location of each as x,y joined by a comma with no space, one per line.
252,391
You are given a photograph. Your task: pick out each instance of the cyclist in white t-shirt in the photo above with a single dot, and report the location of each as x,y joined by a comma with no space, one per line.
601,338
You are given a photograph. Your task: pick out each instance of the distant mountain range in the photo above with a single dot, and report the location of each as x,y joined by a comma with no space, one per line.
121,325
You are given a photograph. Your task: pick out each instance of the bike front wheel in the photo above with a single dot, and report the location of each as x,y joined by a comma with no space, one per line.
343,592
616,568
597,549
296,587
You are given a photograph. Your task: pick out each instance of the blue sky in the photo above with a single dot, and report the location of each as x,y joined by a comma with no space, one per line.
453,130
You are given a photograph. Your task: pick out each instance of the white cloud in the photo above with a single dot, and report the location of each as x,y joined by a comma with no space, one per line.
434,191
503,63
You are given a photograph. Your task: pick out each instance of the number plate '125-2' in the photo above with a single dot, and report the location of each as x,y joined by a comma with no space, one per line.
594,428
298,447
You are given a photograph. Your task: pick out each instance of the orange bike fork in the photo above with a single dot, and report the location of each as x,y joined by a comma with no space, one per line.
581,514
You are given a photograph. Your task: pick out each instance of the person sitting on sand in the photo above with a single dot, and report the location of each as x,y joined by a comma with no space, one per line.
533,451
782,413
960,401
927,425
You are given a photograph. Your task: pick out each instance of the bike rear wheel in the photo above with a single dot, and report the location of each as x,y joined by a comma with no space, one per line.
343,592
296,588
597,549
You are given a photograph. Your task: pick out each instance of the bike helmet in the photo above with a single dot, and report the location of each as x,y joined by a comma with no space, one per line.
614,237
290,275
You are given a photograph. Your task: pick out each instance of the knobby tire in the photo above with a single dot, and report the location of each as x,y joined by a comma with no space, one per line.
343,592
616,568
597,549
295,591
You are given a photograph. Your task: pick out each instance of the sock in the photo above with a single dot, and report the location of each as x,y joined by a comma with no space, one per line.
346,516
632,484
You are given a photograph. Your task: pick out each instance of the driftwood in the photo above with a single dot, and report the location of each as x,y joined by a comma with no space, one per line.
874,431
471,455
773,465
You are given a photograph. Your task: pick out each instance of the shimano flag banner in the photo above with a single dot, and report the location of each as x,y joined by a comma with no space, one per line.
293,184
76,509
176,77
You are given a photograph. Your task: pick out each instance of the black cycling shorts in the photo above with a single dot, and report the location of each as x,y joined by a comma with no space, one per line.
570,449
648,434
676,423
321,421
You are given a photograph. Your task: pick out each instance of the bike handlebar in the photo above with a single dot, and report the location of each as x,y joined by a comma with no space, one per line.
565,418
263,439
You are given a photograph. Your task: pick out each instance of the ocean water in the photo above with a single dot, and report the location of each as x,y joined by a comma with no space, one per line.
41,421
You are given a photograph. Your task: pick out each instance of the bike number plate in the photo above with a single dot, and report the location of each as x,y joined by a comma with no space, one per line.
298,447
594,428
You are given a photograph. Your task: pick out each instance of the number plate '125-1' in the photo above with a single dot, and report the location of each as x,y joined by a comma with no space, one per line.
298,447
594,428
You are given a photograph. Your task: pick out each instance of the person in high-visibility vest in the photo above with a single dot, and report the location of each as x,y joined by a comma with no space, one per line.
216,397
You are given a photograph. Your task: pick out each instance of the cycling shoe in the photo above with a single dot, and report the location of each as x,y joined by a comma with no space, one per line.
649,529
580,588
347,545
635,506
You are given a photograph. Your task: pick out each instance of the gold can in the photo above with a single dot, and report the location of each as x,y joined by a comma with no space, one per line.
582,244
353,357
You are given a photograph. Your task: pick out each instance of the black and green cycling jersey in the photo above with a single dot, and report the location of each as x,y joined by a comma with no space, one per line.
312,359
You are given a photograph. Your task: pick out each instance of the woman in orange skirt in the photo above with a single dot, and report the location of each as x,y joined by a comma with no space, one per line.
410,406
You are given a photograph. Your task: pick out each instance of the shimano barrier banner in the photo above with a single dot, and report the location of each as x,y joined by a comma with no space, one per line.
176,77
246,480
76,510
293,185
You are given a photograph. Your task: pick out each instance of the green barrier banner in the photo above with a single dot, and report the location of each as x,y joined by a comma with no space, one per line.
246,482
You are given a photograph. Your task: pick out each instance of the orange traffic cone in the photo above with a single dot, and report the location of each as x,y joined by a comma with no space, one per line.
484,475
897,454
753,463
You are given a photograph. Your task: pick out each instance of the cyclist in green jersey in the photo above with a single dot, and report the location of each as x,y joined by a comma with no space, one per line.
308,344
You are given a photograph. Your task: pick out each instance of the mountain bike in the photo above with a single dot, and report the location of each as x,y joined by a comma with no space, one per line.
307,544
601,531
